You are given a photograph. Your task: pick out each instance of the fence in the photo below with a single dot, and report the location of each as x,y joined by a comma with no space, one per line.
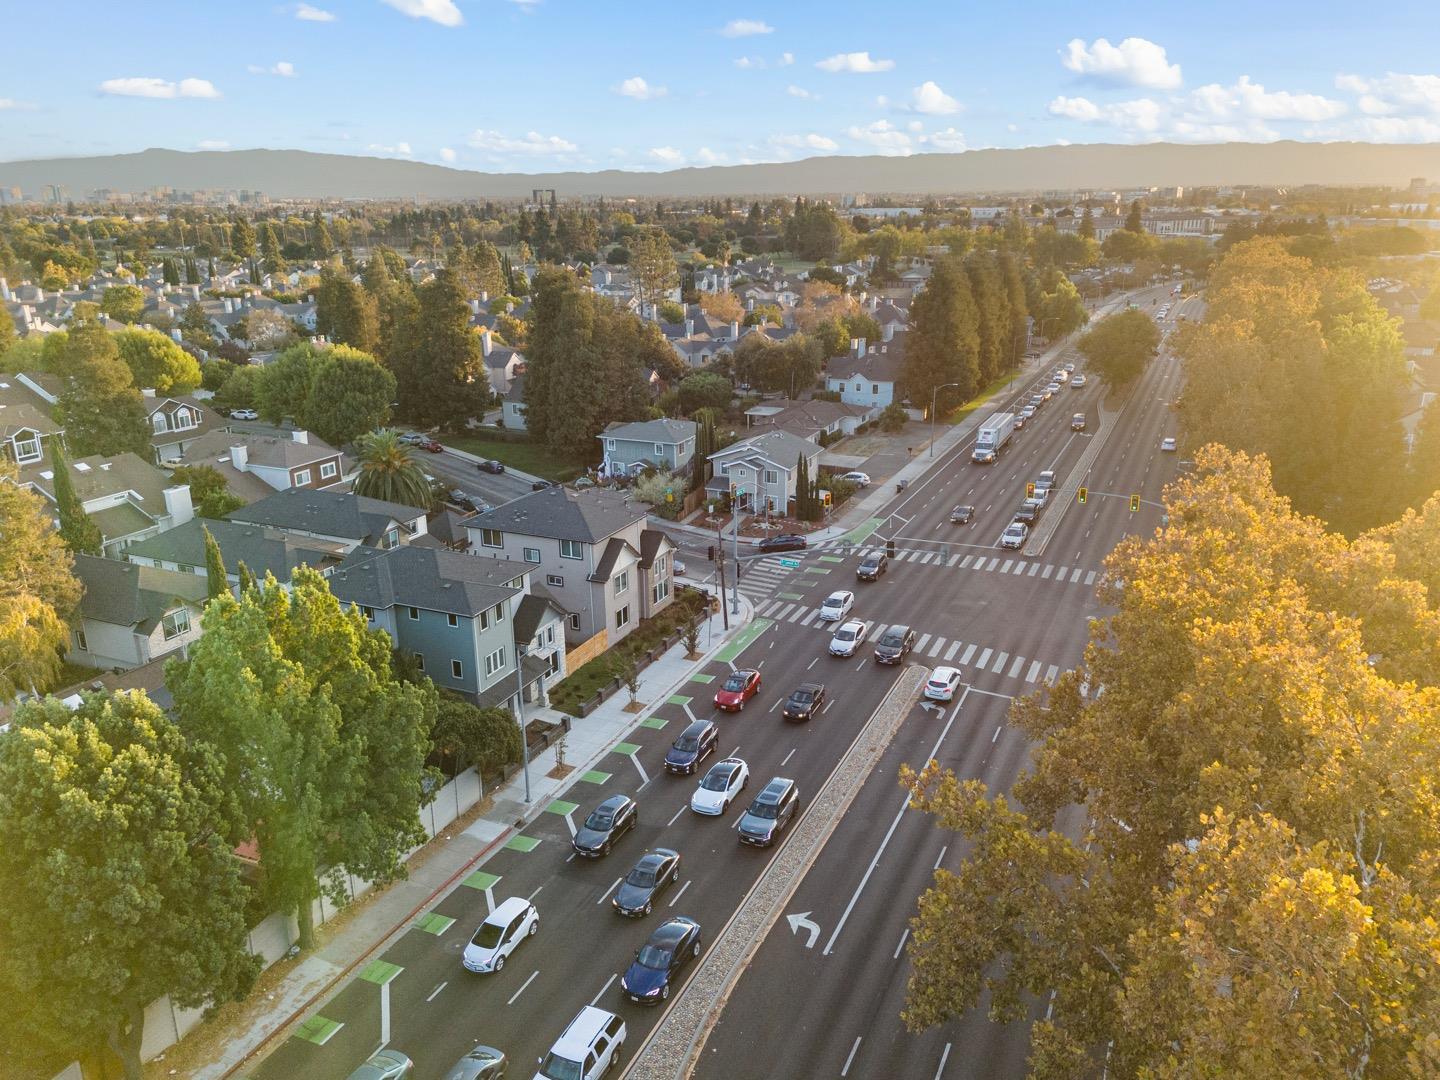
586,651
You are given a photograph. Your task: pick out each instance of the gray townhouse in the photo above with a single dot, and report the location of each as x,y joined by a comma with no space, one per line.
341,517
592,551
763,469
126,497
667,444
26,426
130,615
263,550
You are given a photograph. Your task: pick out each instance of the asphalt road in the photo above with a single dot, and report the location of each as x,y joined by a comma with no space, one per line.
462,473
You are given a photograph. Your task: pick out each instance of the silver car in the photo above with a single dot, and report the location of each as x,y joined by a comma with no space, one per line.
1015,535
482,1063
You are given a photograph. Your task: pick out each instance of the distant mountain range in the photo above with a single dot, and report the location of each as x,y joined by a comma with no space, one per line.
301,174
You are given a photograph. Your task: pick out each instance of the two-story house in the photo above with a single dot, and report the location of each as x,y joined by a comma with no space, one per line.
512,409
598,560
26,426
763,470
668,444
175,425
254,465
341,517
502,363
262,550
131,614
126,497
869,375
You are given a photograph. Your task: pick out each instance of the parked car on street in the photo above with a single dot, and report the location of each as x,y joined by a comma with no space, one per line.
384,1065
491,466
859,479
244,414
481,1063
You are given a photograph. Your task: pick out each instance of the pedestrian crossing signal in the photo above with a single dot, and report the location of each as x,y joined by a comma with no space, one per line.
1134,504
1082,493
1030,490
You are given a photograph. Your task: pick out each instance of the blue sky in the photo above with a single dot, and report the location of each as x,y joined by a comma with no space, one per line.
529,85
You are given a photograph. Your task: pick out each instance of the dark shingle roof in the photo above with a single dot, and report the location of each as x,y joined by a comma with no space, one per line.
651,541
261,549
430,578
329,513
531,613
125,594
562,514
609,557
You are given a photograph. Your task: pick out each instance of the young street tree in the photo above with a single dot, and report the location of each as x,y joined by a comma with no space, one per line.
1119,346
323,747
116,838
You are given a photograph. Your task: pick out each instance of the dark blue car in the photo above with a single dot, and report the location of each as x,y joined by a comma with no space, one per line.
696,742
659,962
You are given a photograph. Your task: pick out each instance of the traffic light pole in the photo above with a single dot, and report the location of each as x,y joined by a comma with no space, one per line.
720,563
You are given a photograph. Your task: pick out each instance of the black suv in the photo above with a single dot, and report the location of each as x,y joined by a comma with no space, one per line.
491,466
894,645
787,542
611,820
696,742
872,567
805,702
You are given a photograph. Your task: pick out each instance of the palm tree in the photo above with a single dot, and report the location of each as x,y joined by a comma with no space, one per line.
389,472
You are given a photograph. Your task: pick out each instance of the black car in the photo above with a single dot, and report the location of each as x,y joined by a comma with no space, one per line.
1028,512
660,960
655,872
773,809
541,485
962,515
695,744
805,702
609,821
872,567
788,542
894,645
491,466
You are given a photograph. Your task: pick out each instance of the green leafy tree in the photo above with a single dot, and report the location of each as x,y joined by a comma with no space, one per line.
893,417
25,354
652,265
270,251
239,391
705,390
209,492
1133,223
488,739
7,331
99,407
346,312
1087,225
216,580
125,303
389,471
438,365
1118,347
195,327
214,373
1061,309
350,394
283,386
157,363
323,747
116,832
1130,246
79,532
944,346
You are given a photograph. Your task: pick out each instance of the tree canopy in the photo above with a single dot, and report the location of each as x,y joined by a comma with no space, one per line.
436,359
1118,347
157,363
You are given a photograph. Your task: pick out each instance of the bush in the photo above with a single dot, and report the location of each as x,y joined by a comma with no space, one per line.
618,256
893,418
651,487
826,395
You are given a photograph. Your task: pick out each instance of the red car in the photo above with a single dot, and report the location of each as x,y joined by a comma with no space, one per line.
737,689
431,445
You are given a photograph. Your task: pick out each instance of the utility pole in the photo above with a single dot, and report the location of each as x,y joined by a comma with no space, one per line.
735,530
720,562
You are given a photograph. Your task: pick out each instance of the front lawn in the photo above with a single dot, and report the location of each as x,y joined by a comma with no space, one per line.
530,457
982,398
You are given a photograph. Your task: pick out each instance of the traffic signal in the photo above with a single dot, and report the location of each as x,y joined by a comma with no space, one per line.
889,549
1082,493
1134,503
711,556
1030,490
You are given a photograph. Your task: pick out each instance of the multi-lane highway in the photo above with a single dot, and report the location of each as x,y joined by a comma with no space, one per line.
1010,620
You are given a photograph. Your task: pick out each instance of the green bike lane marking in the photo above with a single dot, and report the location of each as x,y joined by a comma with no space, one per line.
380,972
318,1030
481,881
595,776
702,678
831,559
678,699
433,923
863,531
522,843
654,722
741,643
817,569
791,596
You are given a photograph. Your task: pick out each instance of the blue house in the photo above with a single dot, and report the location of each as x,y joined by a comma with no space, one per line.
668,444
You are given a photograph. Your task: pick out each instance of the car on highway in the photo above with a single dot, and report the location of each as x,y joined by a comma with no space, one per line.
1060,375
1168,444
1028,511
1036,400
1077,382
1015,535
785,542
1052,389
738,688
491,466
720,787
481,1063
1077,422
848,636
894,645
586,1049
384,1065
660,960
1027,412
500,934
652,874
1045,481
837,605
244,414
942,684
856,477
695,744
872,566
769,813
1069,369
804,701
962,515
609,821
1019,422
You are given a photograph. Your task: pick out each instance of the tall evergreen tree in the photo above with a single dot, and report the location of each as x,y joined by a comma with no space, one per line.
346,313
438,365
270,251
1133,222
242,239
247,577
79,532
216,580
944,345
1087,225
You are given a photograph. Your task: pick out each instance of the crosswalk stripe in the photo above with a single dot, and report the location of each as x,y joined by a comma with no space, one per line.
1090,578
1048,569
1075,576
953,560
937,646
920,645
999,664
1034,569
1015,667
1034,672
984,658
785,611
1019,569
1006,568
1060,574
810,617
1051,673
877,630
766,608
968,653
950,652
966,561
992,564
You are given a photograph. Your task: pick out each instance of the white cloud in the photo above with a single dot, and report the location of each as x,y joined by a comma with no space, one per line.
1140,115
283,68
149,87
745,28
884,137
786,59
802,93
812,141
443,12
949,141
213,144
1134,62
856,63
532,143
447,154
929,99
401,149
637,88
745,62
1248,99
711,157
310,13
1394,93
666,155
15,104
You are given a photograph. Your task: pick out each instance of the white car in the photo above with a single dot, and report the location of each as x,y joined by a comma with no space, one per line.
509,924
1027,412
1053,388
680,568
1041,496
942,684
848,637
1168,444
1045,481
244,414
859,479
1069,369
720,787
837,606
1015,535
1061,376
1077,382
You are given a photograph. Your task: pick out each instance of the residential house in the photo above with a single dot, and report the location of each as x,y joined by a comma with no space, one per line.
340,517
599,561
668,444
502,363
763,469
821,422
256,464
540,628
512,409
176,423
126,497
262,550
26,426
131,614
870,374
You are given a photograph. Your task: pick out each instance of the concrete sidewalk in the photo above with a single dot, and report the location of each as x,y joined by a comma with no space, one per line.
382,918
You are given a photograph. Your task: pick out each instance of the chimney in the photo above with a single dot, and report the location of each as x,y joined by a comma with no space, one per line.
874,303
5,290
749,303
734,330
484,296
240,458
888,332
485,340
301,436
178,504
860,346
195,292
176,335
689,327
475,306
229,306
147,391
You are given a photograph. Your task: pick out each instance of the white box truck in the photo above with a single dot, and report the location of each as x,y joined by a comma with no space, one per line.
993,436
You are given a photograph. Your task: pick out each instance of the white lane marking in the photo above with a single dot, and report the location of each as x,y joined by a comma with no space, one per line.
827,706
605,895
1090,578
999,664
1015,667
984,658
965,562
991,564
812,663
436,992
671,821
851,1056
944,1056
778,703
810,617
940,858
1075,576
878,629
1034,566
996,735
953,560
934,649
901,946
644,776
789,756
608,983
969,653
784,612
920,645
1060,574
1034,672
676,897
1051,673
537,889
1006,568
950,652
523,985
861,665
1020,568
1048,571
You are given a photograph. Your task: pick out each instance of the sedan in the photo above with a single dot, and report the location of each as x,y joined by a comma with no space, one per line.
1077,382
430,446
463,500
482,1063
673,945
787,542
1069,369
837,606
1015,535
609,821
1029,511
894,645
1077,422
720,787
1027,412
738,688
848,637
244,414
1046,480
859,479
656,871
491,466
1036,400
1060,375
942,684
1168,444
413,438
695,744
805,702
872,567
962,515
386,1065
1052,389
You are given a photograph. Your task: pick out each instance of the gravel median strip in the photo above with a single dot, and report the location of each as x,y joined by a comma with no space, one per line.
677,1040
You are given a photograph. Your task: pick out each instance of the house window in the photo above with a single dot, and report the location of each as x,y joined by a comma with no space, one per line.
80,642
185,419
575,622
771,476
875,389
622,617
661,590
392,538
328,470
302,478
661,563
419,662
453,619
622,582
484,620
369,614
609,444
555,580
659,450
27,449
415,614
491,538
176,623
570,549
157,422
457,669
859,388
494,662
548,636
532,555
499,613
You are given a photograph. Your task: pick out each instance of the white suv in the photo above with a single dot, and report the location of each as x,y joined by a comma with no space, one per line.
587,1049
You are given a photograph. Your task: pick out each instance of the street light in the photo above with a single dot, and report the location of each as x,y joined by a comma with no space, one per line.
933,394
